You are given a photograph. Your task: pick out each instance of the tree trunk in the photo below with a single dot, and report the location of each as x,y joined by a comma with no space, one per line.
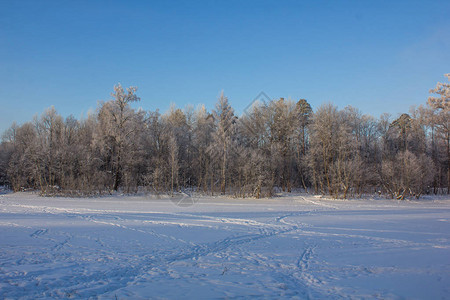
117,176
224,164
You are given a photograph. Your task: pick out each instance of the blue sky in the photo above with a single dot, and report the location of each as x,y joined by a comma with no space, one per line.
380,56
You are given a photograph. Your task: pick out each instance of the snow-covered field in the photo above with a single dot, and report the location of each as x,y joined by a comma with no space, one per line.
293,247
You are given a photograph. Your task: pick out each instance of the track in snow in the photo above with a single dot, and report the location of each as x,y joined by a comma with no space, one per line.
287,247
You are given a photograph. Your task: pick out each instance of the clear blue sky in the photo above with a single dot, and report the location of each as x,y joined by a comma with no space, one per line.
380,56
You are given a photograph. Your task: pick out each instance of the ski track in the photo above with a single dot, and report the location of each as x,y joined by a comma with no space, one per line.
110,252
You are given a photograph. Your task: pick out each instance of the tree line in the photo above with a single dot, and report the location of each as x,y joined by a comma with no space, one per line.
273,146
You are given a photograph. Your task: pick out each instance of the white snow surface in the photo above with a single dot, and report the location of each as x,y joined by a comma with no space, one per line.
296,247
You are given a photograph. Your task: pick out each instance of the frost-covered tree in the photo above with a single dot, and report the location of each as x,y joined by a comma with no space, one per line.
324,128
173,161
115,130
255,158
282,121
7,149
201,138
49,132
177,135
443,90
274,146
220,149
337,152
407,174
441,120
24,169
304,119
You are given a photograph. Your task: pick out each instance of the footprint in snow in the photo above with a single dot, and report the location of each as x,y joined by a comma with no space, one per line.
39,232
